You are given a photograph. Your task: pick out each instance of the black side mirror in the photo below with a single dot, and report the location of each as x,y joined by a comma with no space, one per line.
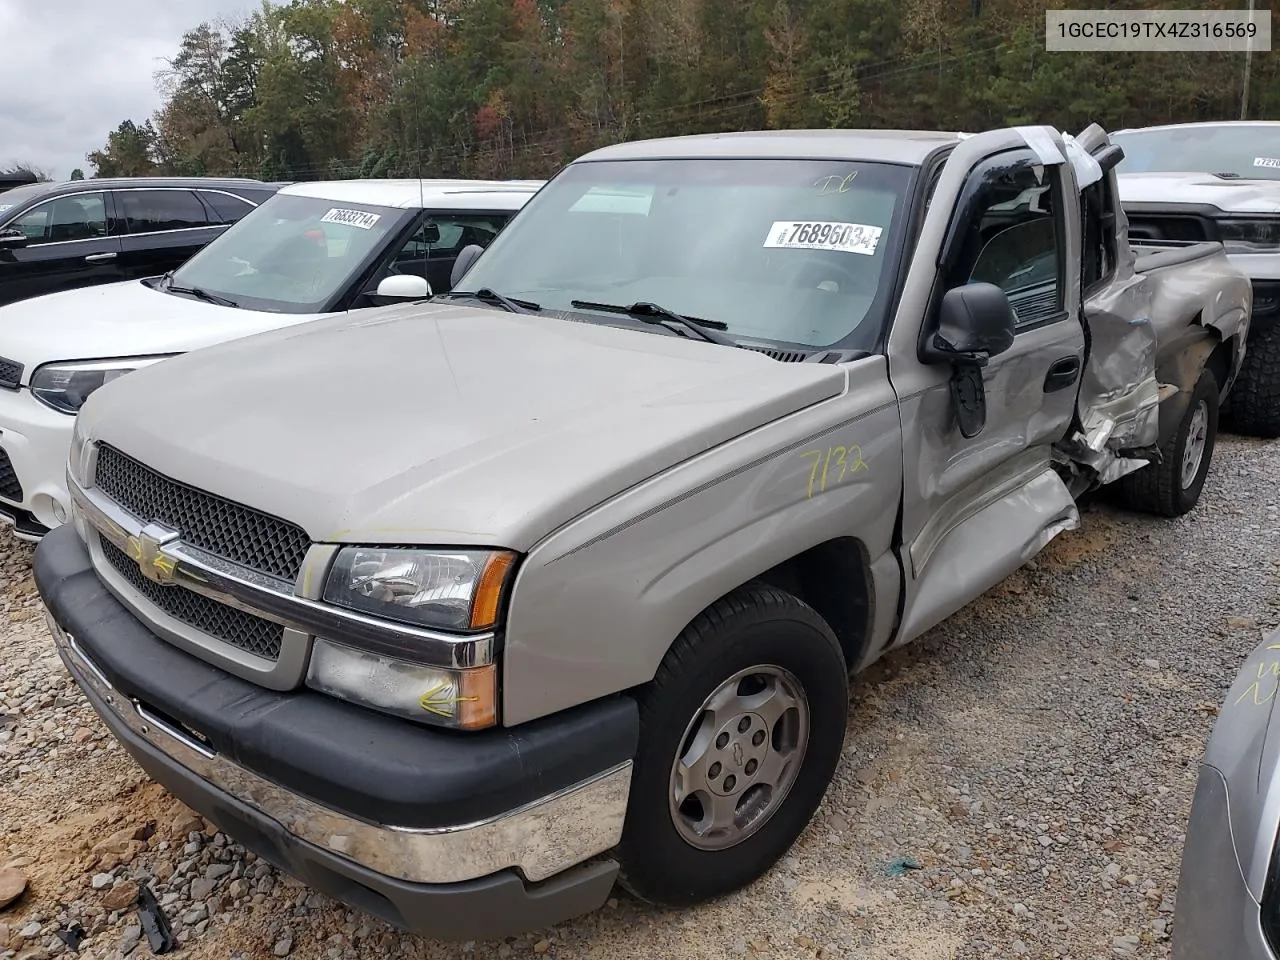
467,256
13,239
975,323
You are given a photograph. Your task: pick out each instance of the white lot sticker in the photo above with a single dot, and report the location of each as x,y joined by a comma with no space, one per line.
352,218
5,206
824,235
1266,162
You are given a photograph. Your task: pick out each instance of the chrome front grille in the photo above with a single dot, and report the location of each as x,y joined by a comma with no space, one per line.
235,627
237,533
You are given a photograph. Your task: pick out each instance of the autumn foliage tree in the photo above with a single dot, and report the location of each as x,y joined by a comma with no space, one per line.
319,88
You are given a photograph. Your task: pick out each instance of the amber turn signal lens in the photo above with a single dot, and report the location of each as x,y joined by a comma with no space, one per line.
488,596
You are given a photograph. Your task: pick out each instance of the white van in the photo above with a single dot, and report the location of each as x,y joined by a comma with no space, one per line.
312,250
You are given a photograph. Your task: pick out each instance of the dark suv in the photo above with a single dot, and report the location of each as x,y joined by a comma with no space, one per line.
56,236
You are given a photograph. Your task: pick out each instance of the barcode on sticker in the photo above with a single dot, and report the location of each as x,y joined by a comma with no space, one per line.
352,218
824,235
1266,162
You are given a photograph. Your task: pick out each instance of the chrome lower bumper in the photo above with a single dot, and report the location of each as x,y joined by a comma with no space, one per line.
540,839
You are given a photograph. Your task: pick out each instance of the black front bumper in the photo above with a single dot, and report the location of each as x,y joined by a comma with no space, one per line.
377,769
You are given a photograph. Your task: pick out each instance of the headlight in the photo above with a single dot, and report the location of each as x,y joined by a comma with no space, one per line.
1250,235
66,386
449,590
465,699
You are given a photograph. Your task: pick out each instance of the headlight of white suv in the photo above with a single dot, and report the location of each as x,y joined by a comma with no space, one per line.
66,386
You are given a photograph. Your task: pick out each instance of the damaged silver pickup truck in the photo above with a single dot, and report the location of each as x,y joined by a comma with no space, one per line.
464,611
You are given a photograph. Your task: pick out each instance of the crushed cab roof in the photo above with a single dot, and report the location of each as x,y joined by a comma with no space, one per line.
890,146
410,194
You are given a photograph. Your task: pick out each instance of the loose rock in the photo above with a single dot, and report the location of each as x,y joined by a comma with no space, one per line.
121,895
13,883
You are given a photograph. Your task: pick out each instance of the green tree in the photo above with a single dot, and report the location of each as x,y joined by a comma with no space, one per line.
310,88
77,174
128,152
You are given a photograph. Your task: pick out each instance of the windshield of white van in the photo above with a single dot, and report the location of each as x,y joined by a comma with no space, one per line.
795,252
1244,152
293,254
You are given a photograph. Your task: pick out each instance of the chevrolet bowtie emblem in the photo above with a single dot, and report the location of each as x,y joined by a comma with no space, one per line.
147,551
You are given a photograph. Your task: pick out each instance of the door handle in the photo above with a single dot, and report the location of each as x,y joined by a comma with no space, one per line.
96,257
1062,374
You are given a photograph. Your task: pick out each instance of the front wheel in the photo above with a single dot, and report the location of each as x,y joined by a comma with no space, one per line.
740,733
1172,487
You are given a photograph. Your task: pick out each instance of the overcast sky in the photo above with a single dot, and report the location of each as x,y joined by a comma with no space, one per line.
71,70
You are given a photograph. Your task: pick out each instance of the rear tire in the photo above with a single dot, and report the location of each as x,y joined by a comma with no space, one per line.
1253,407
741,730
1172,487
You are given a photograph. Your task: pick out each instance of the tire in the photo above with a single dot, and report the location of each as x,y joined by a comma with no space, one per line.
756,628
1161,488
1253,408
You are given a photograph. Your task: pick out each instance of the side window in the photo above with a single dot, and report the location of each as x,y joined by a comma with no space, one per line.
229,208
1015,241
444,235
153,211
434,247
79,217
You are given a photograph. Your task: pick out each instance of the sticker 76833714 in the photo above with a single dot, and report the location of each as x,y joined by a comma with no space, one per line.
352,218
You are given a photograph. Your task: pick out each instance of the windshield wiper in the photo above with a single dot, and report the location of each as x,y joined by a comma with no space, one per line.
652,313
492,296
196,292
204,295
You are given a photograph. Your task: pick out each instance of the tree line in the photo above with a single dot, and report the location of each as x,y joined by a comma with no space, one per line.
313,89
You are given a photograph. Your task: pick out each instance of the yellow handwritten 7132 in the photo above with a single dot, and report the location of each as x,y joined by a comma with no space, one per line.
1269,669
831,466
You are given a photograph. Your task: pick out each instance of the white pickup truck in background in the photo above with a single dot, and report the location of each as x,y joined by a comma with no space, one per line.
1184,184
313,250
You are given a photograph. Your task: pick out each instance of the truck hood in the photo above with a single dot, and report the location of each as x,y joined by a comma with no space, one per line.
442,424
1229,196
126,319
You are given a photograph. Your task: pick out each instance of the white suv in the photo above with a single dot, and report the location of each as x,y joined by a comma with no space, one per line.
312,250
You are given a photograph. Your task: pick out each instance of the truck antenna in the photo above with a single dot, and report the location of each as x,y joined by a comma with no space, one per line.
422,203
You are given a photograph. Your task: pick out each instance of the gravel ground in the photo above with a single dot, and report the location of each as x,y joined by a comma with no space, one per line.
1035,755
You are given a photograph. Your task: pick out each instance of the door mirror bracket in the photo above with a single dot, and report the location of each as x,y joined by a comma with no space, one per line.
13,239
976,322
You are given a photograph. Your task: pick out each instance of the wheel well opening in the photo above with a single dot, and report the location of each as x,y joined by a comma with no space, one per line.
833,578
1221,361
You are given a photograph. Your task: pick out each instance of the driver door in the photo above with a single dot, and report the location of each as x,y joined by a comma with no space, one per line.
975,508
71,242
